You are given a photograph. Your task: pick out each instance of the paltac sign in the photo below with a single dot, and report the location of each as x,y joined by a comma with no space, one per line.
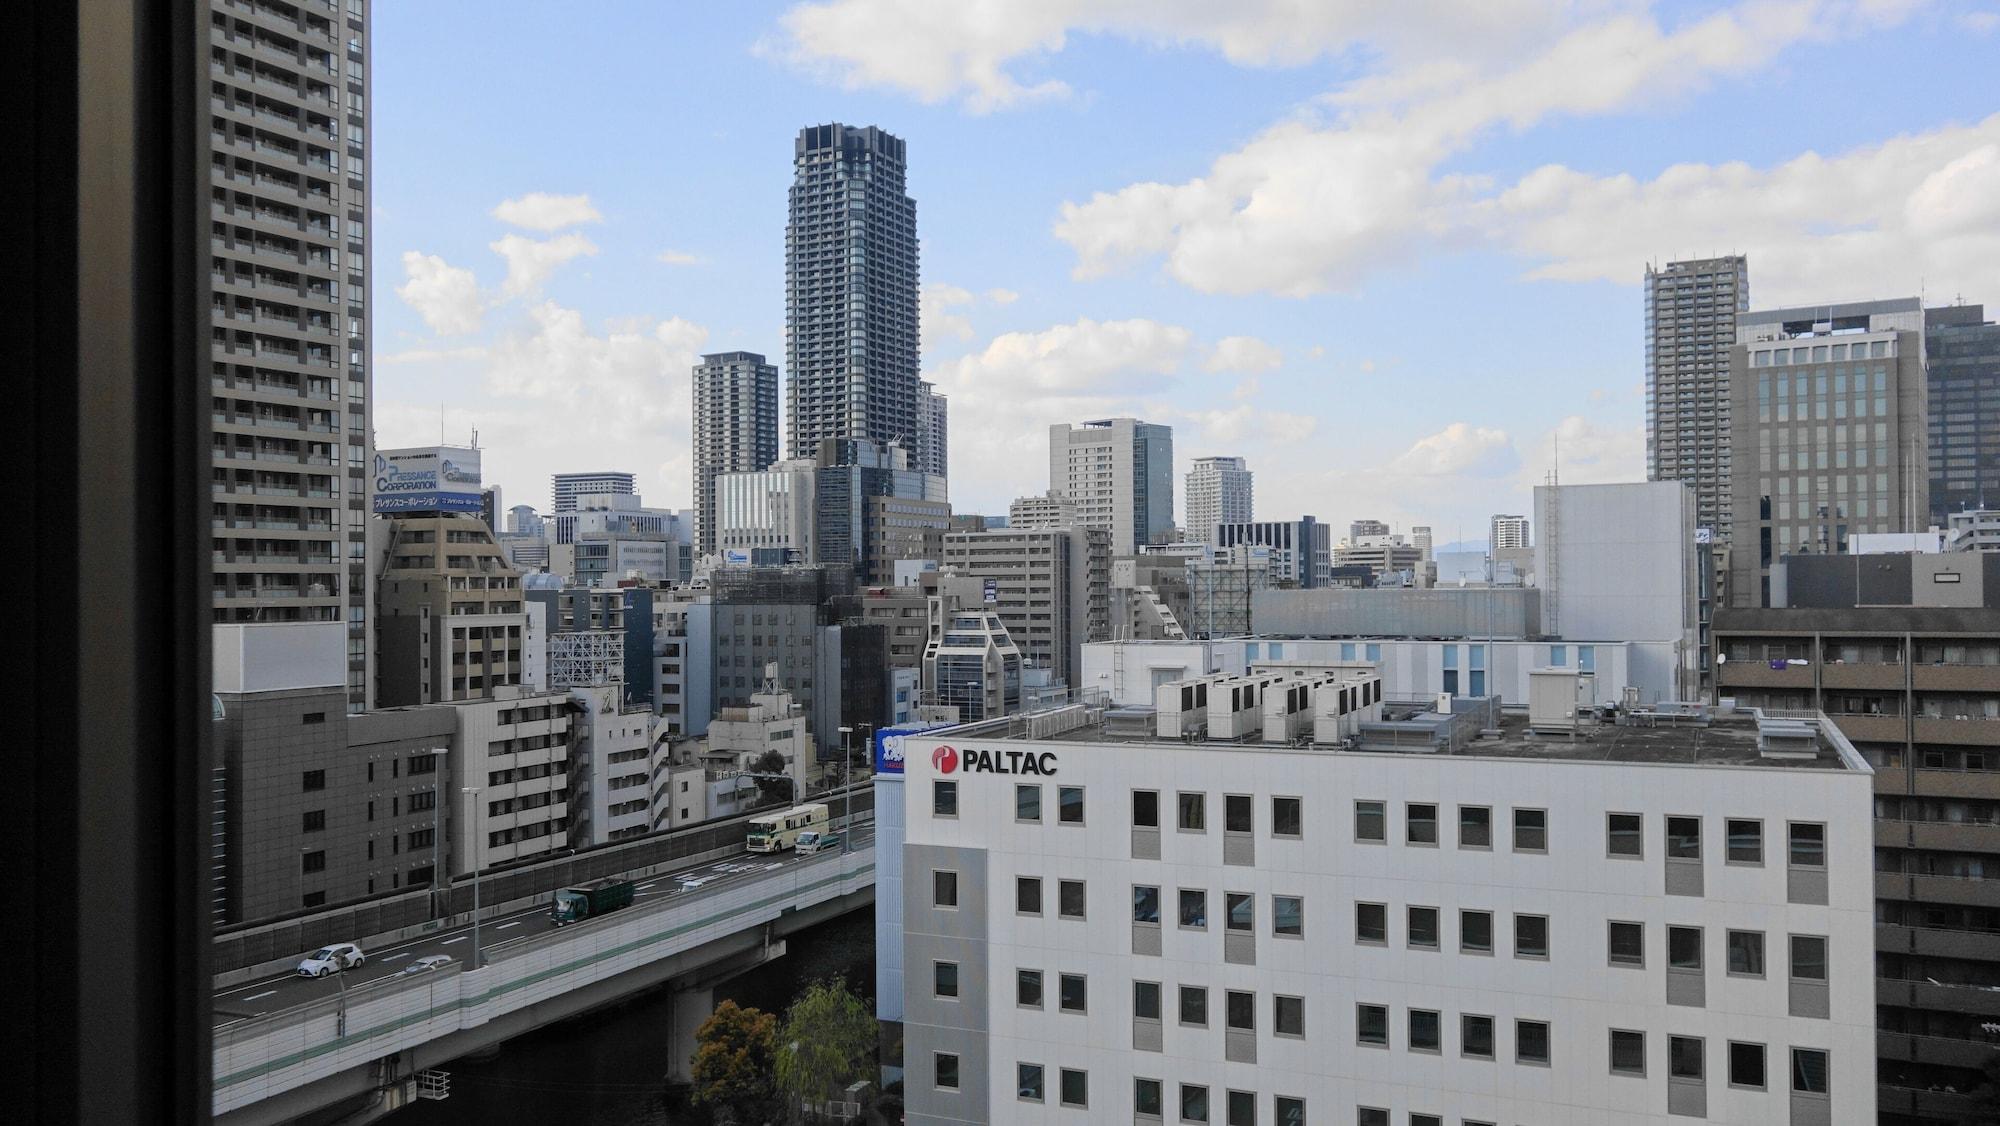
951,760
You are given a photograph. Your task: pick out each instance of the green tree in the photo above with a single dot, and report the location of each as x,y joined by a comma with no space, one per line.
733,1064
772,789
827,1043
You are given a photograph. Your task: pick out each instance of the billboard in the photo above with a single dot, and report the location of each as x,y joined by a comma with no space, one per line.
427,479
735,557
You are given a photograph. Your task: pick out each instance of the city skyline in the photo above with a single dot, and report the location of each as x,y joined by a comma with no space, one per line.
595,308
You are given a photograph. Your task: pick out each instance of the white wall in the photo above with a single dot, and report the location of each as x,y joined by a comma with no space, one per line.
277,656
1617,562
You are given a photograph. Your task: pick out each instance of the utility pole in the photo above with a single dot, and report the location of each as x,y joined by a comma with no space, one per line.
846,793
472,831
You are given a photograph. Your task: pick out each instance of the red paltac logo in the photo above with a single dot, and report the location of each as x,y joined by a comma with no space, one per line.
945,759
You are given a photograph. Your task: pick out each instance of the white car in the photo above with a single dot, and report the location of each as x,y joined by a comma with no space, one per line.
330,959
426,964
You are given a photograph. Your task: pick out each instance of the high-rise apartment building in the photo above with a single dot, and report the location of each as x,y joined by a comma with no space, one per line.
1508,532
1051,588
1119,471
850,292
449,623
1828,409
933,450
735,428
1218,492
1962,353
1691,310
1044,510
1421,538
289,320
565,488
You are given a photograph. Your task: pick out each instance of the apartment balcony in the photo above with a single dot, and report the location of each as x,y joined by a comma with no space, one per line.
1955,678
1942,1106
1956,783
1976,731
1869,728
1840,674
1938,942
1760,674
1956,890
1943,836
1943,1050
1977,999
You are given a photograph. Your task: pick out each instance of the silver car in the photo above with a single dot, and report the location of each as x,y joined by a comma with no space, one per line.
426,964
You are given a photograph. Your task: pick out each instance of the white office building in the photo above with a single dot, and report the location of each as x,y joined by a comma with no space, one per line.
1424,926
1119,471
1508,531
769,510
1220,490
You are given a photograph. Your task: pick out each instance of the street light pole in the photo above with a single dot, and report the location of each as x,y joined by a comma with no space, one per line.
472,831
846,795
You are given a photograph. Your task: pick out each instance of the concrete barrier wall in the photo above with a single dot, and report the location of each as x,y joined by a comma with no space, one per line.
264,1056
245,953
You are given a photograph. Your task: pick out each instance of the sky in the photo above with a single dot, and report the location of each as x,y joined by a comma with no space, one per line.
1391,254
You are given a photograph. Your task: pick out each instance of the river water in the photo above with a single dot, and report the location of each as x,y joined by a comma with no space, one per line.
608,1068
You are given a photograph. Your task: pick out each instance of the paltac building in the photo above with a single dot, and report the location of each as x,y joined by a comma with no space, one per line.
1286,900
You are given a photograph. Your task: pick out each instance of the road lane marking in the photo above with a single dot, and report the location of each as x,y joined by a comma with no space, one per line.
449,941
504,926
643,887
254,996
393,957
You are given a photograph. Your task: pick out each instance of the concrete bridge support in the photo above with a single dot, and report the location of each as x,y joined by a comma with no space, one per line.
694,1002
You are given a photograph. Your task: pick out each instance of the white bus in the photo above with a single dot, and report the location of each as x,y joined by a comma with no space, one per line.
776,831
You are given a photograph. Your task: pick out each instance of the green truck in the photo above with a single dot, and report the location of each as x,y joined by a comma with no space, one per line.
588,901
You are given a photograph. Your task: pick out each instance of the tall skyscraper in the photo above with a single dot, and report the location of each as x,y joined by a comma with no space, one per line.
1507,532
1962,349
1219,491
1119,471
1691,312
1829,404
932,453
564,488
735,428
850,292
288,257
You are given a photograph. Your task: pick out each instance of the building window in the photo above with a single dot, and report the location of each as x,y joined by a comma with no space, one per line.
1684,948
1808,844
1746,953
313,780
1475,826
1426,1034
1288,1110
1808,957
1069,805
1146,1000
1684,838
1288,916
1069,899
1194,1103
1423,929
1626,944
1628,1052
1239,1010
1194,1006
313,861
1370,1116
1475,1036
1027,802
1028,1081
1075,1088
1684,1057
1193,812
1746,1065
1242,1108
1146,1099
1746,841
1145,904
1028,988
1239,911
1287,818
944,888
1531,1041
1371,821
1531,830
1531,936
1145,809
1236,815
944,798
1475,932
1624,835
1072,993
944,1069
1371,923
1288,1016
313,899
1420,823
1194,908
944,979
1028,895
1371,1025
1809,1071
315,820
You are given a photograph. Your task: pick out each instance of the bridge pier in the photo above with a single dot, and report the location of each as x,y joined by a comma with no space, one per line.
689,1007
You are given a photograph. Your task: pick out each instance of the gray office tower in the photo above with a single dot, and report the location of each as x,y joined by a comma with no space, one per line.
851,294
735,428
288,319
1691,312
565,488
1962,348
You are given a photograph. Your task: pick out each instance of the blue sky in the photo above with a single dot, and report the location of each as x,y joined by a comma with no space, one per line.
1385,252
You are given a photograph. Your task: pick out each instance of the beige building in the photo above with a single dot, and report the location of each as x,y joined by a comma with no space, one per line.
449,623
288,322
514,748
1050,586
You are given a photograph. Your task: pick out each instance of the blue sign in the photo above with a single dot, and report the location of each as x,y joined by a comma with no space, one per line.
888,753
427,479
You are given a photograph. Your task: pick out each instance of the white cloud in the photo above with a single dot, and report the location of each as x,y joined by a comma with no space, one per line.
430,356
1245,354
1002,296
444,295
530,262
630,379
935,318
1917,211
982,50
1459,450
1354,185
679,258
1585,453
1980,22
540,211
